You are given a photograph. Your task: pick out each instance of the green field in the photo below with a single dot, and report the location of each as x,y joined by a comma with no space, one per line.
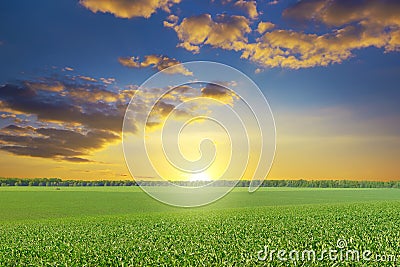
122,226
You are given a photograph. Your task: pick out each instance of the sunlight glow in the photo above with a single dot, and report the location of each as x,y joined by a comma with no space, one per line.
202,176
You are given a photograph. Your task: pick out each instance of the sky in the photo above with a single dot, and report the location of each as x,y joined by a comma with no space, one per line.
329,70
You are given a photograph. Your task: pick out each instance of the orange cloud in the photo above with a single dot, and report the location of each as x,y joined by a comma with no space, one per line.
130,62
107,81
68,69
357,25
227,32
80,116
128,8
51,87
264,26
171,21
295,50
157,62
58,144
220,93
183,102
362,24
94,96
249,6
87,78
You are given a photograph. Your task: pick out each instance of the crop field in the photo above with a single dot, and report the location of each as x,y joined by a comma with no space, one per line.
122,226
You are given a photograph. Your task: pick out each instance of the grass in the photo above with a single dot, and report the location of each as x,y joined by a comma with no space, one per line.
122,226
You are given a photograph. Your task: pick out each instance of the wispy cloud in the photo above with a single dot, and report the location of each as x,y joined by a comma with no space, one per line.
157,62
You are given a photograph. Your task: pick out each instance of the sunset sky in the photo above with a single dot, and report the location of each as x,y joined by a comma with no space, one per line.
330,70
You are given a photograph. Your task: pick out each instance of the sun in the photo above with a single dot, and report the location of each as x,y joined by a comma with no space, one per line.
202,176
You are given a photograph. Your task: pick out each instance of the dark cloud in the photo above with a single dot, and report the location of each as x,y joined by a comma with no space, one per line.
214,90
16,128
85,105
76,159
53,143
162,108
341,12
69,117
219,92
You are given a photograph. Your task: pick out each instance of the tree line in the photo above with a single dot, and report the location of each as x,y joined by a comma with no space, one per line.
60,182
242,183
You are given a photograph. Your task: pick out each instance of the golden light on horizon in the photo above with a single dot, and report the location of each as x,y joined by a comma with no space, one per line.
202,176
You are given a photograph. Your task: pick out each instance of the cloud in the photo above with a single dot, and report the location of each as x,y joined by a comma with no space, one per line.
227,32
128,8
52,87
339,13
108,81
184,102
68,69
68,118
130,62
361,24
291,49
249,6
157,62
16,128
218,92
171,21
62,118
53,143
274,2
92,95
7,116
264,26
77,105
348,26
162,108
87,78
76,159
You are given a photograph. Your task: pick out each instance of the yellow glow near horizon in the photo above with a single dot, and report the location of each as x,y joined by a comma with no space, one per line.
202,176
